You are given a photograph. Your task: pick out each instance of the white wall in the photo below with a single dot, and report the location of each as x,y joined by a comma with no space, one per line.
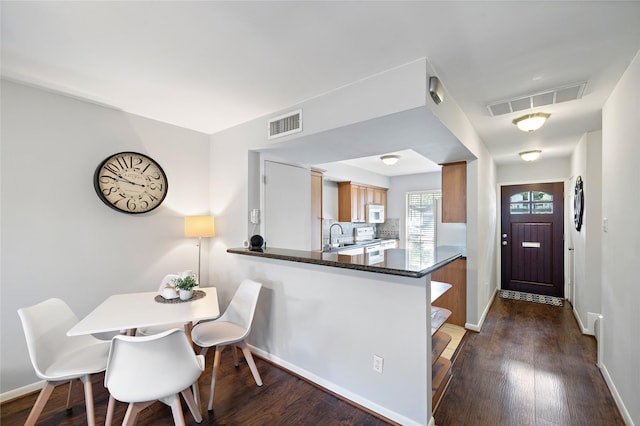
344,172
293,291
542,170
621,243
58,238
327,323
481,210
586,162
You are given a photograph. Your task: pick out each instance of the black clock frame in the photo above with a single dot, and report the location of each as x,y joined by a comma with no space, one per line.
96,183
578,203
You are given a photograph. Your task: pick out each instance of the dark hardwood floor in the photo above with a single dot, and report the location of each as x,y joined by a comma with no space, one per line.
284,399
529,366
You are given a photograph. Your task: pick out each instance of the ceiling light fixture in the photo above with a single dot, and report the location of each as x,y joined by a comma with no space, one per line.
531,122
390,160
530,155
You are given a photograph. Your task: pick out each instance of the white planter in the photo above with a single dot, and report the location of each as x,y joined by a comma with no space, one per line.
186,294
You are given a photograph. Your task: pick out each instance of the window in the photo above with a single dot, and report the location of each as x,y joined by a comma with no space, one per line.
534,202
421,226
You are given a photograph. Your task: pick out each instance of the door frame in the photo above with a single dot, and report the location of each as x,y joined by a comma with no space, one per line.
568,223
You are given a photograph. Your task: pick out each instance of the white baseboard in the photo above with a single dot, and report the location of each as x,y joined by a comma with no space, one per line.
332,387
432,421
583,329
616,396
24,390
478,327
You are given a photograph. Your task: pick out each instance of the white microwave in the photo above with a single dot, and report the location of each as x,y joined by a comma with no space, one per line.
375,213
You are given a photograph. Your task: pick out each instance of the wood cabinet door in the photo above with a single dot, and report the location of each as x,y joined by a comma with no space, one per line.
345,202
362,203
454,192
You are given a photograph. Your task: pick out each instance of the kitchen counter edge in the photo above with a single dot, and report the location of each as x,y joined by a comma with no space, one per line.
316,258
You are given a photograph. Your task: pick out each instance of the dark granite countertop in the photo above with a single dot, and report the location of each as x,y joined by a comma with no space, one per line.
401,262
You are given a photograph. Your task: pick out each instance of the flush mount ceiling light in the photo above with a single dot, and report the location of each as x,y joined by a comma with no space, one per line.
390,160
531,122
530,155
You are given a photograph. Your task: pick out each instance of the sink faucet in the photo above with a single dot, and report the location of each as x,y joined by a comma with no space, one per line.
330,228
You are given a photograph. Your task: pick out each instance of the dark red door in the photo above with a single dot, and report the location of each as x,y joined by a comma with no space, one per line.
532,238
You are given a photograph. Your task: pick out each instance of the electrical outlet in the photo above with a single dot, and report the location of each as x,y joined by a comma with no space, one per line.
377,363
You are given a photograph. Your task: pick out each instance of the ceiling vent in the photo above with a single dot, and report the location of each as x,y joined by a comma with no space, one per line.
285,124
547,97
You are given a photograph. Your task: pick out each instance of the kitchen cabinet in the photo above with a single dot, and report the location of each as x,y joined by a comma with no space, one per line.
454,192
353,199
316,210
454,300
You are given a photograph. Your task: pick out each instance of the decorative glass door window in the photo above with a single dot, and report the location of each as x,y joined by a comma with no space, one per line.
531,202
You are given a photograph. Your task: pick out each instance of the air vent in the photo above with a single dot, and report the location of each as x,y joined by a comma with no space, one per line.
548,97
284,125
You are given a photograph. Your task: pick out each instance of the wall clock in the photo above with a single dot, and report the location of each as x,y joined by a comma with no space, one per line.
130,182
578,203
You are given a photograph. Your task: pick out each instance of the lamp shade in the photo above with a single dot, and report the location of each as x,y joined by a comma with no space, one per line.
199,226
531,122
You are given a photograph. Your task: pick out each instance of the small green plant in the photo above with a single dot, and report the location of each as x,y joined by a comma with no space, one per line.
186,283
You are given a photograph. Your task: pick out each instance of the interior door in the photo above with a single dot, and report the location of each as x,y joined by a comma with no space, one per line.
287,203
532,238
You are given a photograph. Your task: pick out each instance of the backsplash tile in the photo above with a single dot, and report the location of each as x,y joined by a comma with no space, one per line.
389,229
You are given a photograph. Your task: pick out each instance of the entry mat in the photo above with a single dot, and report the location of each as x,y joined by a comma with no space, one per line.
537,298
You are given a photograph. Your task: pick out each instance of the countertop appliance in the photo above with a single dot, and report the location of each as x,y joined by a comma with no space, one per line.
375,213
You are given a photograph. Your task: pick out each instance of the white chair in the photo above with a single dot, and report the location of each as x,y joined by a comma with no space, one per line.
149,331
142,370
58,358
230,329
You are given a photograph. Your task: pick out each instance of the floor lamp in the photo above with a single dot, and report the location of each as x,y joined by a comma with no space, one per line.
200,227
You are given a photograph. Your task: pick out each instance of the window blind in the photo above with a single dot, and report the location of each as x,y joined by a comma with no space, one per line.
421,225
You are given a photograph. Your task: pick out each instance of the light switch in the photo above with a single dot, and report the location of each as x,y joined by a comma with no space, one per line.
605,224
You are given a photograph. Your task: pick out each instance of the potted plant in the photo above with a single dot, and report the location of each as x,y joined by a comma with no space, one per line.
185,285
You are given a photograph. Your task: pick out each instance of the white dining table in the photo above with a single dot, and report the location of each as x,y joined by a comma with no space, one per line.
129,311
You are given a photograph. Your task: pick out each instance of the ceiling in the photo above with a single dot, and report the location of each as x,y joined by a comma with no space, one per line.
210,65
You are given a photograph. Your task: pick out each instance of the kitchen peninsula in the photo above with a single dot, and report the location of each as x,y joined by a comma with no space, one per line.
327,316
393,261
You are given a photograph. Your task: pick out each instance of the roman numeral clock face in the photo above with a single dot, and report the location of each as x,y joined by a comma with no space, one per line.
130,182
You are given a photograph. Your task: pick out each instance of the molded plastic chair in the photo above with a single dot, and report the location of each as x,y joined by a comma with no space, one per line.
230,329
149,331
142,370
58,358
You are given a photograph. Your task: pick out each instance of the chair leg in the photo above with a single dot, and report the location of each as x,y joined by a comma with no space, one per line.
110,407
195,390
236,362
69,395
133,410
216,364
191,403
176,410
88,399
43,397
252,364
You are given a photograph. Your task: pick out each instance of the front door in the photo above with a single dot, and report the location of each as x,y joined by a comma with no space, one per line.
532,238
